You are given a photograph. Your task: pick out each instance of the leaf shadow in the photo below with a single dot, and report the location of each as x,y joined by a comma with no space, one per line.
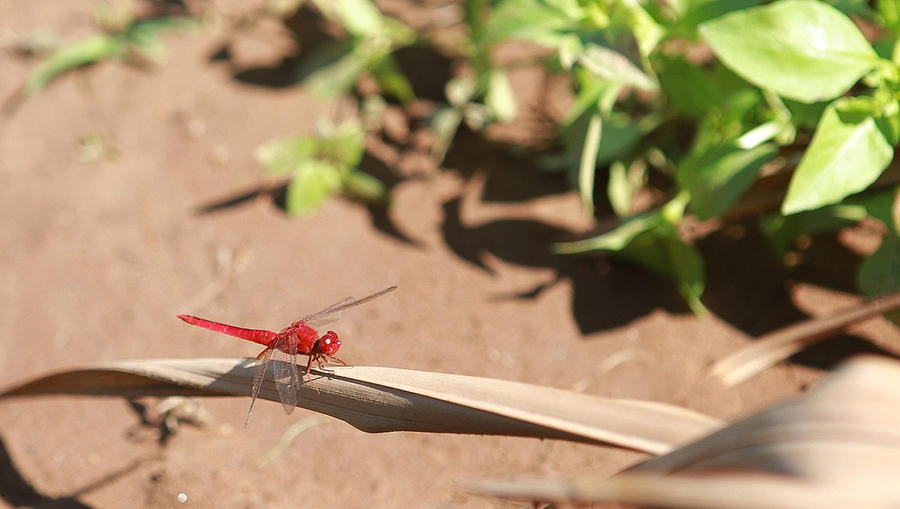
18,492
604,295
750,289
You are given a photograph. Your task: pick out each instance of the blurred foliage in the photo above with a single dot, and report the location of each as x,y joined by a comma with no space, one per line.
123,37
690,102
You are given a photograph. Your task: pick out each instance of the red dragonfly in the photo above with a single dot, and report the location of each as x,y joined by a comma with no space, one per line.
297,338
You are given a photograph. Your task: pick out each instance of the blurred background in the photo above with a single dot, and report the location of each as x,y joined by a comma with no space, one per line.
200,165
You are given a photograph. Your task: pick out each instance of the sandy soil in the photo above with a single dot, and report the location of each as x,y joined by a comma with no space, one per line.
99,256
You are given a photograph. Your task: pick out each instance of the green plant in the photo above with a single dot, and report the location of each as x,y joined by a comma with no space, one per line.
647,99
123,37
782,70
322,165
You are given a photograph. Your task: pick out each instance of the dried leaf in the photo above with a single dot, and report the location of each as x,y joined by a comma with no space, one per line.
376,400
781,344
837,446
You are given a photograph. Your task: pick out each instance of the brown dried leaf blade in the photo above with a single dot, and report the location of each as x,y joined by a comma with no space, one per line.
838,446
376,399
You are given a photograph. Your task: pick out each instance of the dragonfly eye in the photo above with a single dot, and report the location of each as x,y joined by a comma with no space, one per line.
329,343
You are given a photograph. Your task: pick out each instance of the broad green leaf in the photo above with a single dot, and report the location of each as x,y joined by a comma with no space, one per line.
313,182
854,8
610,65
883,205
284,155
542,21
365,187
719,175
889,11
499,97
847,153
361,18
87,51
645,30
806,115
801,49
880,273
688,88
783,230
696,12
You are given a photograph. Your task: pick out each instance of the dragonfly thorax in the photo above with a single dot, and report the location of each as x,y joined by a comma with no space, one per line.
297,338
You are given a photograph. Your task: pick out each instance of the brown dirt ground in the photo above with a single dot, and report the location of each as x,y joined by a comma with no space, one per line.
98,257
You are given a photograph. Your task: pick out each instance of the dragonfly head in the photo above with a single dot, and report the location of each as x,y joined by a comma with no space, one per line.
329,343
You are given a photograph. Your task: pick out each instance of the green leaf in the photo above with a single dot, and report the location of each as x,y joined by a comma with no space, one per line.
365,187
883,205
284,155
146,33
392,80
499,97
719,175
610,65
801,49
880,273
313,183
616,239
624,184
783,230
688,88
696,12
588,164
541,21
729,119
806,115
618,190
343,146
847,153
645,30
889,11
651,240
332,69
361,18
87,51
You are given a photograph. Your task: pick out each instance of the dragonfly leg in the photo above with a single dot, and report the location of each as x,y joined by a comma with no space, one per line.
309,364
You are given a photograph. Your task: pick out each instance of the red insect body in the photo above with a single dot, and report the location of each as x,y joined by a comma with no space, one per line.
297,338
261,336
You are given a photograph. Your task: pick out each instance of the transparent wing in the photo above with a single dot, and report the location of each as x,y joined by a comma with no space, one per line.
259,374
343,305
287,379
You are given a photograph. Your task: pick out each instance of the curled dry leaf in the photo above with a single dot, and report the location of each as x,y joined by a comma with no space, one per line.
838,446
376,399
781,344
